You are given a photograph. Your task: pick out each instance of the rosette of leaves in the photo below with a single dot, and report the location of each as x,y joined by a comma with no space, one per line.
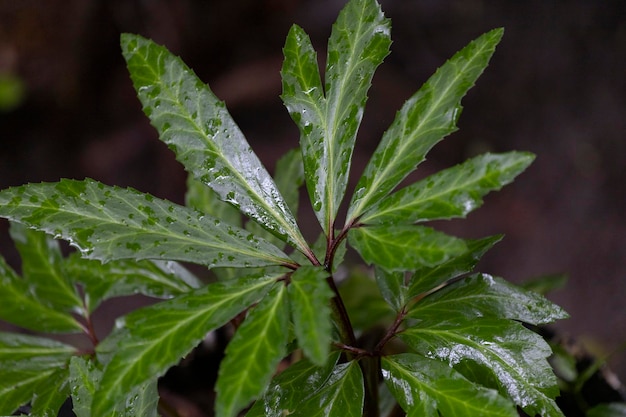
454,344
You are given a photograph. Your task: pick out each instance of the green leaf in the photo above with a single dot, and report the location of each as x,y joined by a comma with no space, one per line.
289,176
426,118
108,223
513,355
19,387
309,296
482,295
20,307
51,394
364,303
161,279
341,395
85,375
204,199
608,410
422,386
328,123
42,267
197,127
392,287
292,387
428,278
453,192
253,354
149,340
404,247
31,353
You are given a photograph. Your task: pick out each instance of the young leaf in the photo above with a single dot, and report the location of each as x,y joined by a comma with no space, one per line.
426,118
450,193
204,199
309,296
514,355
20,307
292,387
108,223
289,176
160,279
427,278
84,378
392,287
205,138
253,354
42,267
341,395
328,125
149,340
482,295
425,386
364,303
404,247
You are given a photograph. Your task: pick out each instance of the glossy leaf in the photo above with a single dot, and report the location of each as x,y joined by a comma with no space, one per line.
392,287
513,355
253,354
329,117
197,127
161,279
482,295
51,394
85,375
427,278
291,387
22,359
108,223
19,387
309,296
31,353
426,118
428,387
450,193
149,340
341,395
42,267
20,307
404,247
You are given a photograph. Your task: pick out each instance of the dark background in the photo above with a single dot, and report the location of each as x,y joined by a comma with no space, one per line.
556,87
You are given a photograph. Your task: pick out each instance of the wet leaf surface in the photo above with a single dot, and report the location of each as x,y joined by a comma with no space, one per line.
429,388
197,127
149,340
404,247
328,117
309,296
453,192
482,295
424,120
108,223
254,353
513,355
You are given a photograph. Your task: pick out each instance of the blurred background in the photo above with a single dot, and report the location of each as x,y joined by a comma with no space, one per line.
556,87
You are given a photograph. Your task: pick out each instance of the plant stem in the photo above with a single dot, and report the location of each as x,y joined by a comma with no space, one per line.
341,315
391,332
